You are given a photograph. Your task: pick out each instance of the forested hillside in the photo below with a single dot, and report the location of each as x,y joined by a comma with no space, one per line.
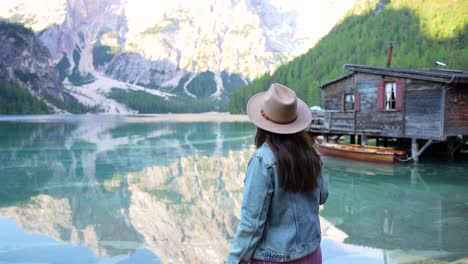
16,100
424,31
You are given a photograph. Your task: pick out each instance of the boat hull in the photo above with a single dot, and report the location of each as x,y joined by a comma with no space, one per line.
371,155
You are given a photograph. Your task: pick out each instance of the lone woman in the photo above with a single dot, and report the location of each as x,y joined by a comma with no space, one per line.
283,186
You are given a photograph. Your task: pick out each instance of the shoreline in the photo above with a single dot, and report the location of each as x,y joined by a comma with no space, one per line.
131,118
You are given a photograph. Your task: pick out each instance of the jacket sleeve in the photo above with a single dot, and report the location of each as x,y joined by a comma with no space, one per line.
256,200
323,185
323,190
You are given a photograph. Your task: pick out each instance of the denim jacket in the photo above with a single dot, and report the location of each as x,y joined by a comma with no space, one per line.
275,225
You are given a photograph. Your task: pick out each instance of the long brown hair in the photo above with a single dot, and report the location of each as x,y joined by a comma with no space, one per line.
297,161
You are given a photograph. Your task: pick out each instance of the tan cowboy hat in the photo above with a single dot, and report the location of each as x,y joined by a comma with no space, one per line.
278,110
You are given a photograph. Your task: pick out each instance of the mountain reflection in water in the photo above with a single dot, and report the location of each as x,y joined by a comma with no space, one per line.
170,192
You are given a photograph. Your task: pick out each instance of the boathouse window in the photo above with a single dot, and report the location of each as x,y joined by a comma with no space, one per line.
390,96
349,102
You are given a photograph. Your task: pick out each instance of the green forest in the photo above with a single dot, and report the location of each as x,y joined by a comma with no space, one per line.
145,102
72,105
202,86
424,31
16,100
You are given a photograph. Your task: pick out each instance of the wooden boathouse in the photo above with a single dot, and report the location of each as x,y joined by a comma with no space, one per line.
405,107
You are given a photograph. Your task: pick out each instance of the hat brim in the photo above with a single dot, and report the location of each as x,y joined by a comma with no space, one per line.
254,107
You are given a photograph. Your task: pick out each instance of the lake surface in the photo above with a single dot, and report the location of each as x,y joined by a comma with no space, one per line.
110,189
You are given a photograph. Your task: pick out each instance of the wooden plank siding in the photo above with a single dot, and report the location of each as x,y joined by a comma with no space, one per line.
337,120
420,117
342,122
371,121
423,109
456,113
333,95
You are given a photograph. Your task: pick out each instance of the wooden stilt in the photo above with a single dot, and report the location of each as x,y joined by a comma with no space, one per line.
454,145
359,139
337,138
464,145
398,143
364,140
414,149
450,148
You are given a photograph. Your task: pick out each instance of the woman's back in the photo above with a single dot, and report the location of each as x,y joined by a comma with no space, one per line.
283,186
292,227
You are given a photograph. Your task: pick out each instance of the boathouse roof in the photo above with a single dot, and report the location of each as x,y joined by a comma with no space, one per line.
435,75
336,80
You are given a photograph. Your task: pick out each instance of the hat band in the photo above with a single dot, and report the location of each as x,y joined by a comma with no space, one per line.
276,122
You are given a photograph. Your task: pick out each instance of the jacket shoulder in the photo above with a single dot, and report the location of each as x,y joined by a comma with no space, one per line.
266,155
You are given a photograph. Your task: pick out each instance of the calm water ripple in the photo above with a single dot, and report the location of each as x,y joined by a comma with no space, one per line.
88,189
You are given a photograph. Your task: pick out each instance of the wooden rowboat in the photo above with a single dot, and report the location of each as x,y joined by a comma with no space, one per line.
357,152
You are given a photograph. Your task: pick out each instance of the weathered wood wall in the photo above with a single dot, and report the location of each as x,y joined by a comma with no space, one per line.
370,120
333,94
423,103
456,113
342,122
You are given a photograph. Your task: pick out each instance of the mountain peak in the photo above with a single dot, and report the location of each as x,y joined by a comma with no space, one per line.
153,44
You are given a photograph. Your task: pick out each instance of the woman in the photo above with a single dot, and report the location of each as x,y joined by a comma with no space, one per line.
283,186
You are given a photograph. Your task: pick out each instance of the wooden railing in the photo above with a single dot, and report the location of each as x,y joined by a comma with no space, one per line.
329,121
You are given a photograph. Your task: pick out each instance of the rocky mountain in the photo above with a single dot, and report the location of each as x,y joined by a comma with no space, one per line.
26,62
183,49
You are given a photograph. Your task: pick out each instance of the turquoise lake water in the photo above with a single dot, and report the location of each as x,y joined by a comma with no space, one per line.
110,189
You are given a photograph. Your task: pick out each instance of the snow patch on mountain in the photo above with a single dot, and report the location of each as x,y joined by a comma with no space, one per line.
95,94
219,86
192,76
174,82
244,80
